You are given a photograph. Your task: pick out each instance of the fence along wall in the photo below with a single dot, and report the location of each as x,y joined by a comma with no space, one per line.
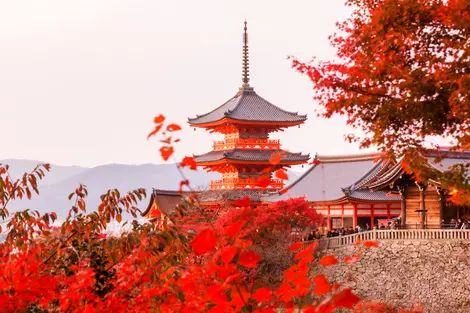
428,267
398,234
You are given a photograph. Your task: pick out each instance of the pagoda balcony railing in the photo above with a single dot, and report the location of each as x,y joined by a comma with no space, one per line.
247,183
248,143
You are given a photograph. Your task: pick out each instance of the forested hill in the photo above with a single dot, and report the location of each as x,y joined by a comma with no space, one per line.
62,180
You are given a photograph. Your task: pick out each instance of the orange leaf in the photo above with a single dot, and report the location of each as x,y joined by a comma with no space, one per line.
352,258
183,183
285,190
263,182
315,162
262,295
204,242
371,244
243,202
322,285
328,260
296,246
190,162
118,218
244,243
159,119
232,230
306,259
228,254
305,252
173,127
166,152
276,157
281,174
267,170
166,140
345,299
155,131
248,259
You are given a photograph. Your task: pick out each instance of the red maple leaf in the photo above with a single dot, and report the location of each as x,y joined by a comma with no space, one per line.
246,201
315,162
233,229
228,254
305,252
159,119
322,285
276,157
371,244
263,181
173,127
296,246
190,162
262,295
204,242
183,183
166,152
281,174
345,299
155,131
249,259
328,260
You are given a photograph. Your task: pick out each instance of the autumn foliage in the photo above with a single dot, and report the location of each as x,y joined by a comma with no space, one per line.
401,74
192,260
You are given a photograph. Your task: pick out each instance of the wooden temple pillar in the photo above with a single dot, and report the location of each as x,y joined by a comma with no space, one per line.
403,190
422,202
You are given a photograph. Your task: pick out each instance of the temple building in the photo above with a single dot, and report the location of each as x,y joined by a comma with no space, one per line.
337,187
348,190
246,120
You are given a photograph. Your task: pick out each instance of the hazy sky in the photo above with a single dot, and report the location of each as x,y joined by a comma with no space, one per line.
80,81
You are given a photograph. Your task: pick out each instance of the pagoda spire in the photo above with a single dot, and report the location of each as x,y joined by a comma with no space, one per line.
245,63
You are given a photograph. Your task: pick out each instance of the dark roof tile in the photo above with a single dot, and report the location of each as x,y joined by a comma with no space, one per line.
249,155
247,105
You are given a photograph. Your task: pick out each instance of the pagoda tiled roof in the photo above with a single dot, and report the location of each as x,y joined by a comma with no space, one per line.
250,155
247,105
336,178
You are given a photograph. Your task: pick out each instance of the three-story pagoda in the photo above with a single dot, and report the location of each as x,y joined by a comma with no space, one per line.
245,156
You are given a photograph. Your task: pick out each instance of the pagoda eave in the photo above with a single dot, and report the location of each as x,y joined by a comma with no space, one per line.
229,161
225,121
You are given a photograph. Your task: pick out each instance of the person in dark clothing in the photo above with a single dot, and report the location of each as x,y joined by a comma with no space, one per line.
311,236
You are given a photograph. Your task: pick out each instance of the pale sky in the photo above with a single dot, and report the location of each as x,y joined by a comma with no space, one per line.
80,81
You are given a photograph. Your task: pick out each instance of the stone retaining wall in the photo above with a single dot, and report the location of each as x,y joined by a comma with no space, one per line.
403,273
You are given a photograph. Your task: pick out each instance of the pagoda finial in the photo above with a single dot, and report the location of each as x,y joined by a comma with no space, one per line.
246,65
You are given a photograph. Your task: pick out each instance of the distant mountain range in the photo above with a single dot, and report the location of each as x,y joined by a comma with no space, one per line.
62,180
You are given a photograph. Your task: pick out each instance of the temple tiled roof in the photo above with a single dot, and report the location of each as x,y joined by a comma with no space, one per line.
449,159
370,195
166,200
247,105
232,195
249,155
338,177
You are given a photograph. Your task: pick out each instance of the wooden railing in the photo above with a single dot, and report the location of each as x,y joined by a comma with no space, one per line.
398,234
